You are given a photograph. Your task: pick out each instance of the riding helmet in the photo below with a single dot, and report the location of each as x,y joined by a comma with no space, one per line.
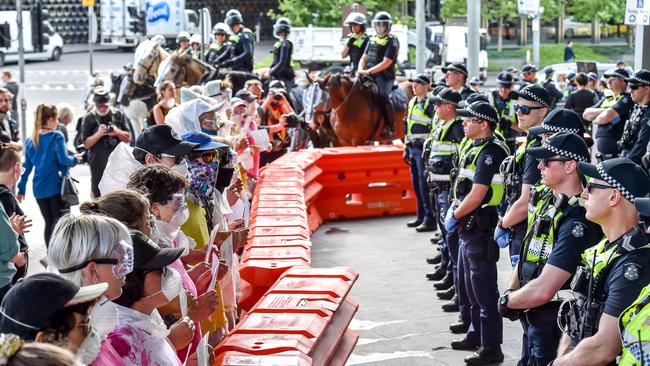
182,36
382,17
233,16
282,25
221,28
356,18
196,38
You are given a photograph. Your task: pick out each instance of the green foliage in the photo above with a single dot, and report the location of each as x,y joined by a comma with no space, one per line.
605,10
553,54
496,9
453,8
328,13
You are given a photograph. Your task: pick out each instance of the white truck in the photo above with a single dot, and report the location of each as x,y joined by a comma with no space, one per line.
125,23
448,44
50,49
320,45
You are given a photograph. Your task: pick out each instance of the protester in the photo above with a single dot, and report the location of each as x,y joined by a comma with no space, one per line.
8,125
17,352
582,98
166,101
46,154
13,87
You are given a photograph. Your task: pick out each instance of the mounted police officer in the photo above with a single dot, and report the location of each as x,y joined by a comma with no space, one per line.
614,272
242,40
636,133
553,92
379,61
418,126
557,234
520,171
502,101
195,44
282,65
456,78
611,114
220,50
357,39
183,41
478,190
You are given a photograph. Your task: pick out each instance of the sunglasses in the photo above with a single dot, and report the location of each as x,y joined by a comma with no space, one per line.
590,186
635,86
547,161
208,157
474,120
524,109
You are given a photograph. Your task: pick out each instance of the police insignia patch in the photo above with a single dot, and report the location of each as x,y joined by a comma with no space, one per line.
488,160
631,271
578,230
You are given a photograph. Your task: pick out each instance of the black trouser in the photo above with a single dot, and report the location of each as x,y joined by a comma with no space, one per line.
52,208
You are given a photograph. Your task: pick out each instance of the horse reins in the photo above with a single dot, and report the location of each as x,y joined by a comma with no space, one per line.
335,109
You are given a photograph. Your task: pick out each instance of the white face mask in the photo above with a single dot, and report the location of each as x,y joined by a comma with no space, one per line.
236,118
180,168
89,348
180,216
103,317
171,284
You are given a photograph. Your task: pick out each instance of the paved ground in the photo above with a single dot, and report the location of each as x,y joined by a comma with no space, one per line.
399,320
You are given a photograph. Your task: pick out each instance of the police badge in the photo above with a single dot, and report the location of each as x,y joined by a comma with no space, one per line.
488,160
631,272
578,230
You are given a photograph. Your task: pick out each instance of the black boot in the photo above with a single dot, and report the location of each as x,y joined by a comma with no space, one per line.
414,223
437,235
451,305
435,240
460,327
435,259
427,225
484,356
464,345
437,275
445,283
389,120
446,294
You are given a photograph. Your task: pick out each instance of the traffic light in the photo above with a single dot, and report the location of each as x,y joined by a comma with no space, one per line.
137,22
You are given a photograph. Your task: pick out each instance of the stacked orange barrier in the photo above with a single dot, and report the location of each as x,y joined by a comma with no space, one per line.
296,315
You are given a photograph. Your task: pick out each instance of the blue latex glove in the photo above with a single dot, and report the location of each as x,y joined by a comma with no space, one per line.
450,221
514,260
502,237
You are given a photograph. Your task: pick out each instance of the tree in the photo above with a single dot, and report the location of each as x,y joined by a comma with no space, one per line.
500,10
328,13
453,8
597,11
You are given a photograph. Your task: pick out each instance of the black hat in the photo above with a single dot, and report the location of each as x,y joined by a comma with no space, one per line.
504,78
592,76
474,97
560,120
434,92
446,96
529,68
245,95
163,139
640,77
147,255
101,95
511,69
441,81
474,81
549,70
480,110
621,173
566,144
571,76
421,78
642,205
456,67
31,303
617,74
533,92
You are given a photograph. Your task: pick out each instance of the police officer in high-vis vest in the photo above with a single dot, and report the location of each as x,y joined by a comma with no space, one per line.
478,190
418,125
614,272
243,43
443,145
357,39
636,133
282,64
195,44
379,61
520,170
610,114
219,51
558,233
503,102
182,41
456,78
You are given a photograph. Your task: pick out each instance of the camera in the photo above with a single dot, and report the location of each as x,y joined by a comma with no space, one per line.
292,120
110,128
277,96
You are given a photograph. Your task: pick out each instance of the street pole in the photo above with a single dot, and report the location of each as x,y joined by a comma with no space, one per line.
90,40
536,37
420,47
21,68
638,46
473,36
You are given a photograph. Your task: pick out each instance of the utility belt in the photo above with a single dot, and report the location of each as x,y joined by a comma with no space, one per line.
439,182
483,219
415,141
577,318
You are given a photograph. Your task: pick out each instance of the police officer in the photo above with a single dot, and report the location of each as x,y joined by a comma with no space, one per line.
501,100
528,75
418,125
557,234
520,170
610,114
636,133
478,190
195,44
554,93
220,49
456,78
613,272
357,39
444,145
183,41
242,40
379,60
282,65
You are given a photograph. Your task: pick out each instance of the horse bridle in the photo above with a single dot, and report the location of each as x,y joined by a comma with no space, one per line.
347,96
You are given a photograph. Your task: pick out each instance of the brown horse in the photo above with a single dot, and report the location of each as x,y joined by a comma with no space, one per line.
356,116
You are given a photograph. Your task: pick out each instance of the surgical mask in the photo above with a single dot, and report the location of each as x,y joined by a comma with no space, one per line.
180,168
103,317
89,348
171,285
180,216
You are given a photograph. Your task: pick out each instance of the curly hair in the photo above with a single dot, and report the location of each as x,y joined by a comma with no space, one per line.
158,182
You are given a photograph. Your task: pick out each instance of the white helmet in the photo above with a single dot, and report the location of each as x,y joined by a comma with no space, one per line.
182,36
196,38
221,28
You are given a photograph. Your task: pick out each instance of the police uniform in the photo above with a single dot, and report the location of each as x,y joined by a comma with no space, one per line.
242,50
357,45
612,273
607,136
218,52
464,91
634,328
418,126
549,85
557,234
478,253
505,110
636,133
282,65
377,49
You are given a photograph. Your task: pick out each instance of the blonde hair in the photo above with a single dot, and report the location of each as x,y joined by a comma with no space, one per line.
65,110
43,113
